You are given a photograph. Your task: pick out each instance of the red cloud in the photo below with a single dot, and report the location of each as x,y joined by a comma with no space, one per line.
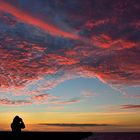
61,60
13,63
105,41
108,65
130,106
92,24
111,54
27,18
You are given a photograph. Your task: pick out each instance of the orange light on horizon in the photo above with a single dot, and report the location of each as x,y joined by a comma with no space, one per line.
116,118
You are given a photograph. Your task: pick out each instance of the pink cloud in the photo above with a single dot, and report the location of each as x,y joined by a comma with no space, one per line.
40,97
7,102
43,99
132,95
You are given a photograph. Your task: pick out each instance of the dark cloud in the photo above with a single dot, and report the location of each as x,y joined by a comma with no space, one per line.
70,101
130,106
75,125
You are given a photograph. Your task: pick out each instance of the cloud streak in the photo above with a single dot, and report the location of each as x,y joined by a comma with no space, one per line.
7,102
70,101
74,124
127,95
25,17
130,106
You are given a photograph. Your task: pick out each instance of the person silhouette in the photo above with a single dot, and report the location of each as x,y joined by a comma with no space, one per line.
17,124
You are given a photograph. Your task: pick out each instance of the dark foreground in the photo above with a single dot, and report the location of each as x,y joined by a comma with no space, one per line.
115,136
70,136
45,136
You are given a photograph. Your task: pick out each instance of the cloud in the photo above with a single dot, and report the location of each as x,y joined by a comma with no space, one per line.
127,95
46,45
70,101
55,101
119,108
40,97
25,17
130,106
8,102
88,93
44,97
74,125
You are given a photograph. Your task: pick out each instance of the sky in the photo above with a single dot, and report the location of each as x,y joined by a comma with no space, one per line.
70,63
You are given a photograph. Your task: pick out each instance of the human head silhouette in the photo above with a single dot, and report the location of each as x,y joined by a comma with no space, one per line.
16,119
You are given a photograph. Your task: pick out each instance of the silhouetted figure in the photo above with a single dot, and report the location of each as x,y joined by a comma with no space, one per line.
17,125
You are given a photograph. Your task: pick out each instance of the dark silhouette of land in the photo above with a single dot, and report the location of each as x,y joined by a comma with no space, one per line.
70,136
